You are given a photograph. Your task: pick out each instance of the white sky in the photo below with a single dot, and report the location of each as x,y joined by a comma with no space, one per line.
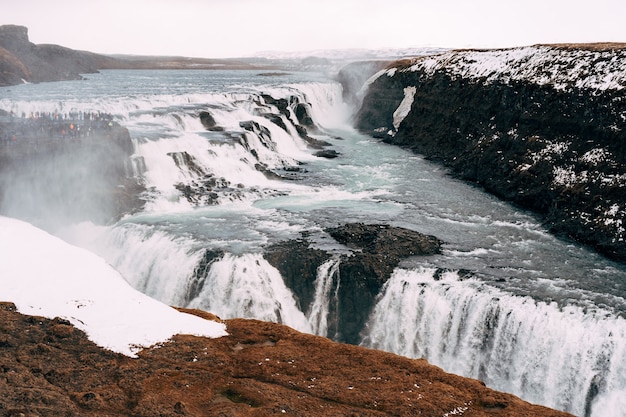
231,28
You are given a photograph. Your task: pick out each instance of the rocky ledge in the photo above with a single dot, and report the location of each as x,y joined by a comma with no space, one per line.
543,127
50,368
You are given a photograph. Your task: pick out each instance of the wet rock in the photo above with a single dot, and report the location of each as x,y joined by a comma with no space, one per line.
208,121
374,251
327,153
303,114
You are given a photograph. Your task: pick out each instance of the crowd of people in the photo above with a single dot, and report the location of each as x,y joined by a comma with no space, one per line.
38,126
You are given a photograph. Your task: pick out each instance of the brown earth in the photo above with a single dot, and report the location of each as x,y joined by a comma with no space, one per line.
595,46
49,368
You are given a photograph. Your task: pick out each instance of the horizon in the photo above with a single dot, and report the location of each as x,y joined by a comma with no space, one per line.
244,28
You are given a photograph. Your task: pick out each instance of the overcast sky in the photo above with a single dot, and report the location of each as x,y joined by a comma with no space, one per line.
231,28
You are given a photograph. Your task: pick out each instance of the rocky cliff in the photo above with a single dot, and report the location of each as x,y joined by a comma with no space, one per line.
50,368
355,273
543,127
22,60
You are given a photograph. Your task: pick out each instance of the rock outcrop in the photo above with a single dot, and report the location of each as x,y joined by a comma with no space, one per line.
50,368
356,274
543,127
21,60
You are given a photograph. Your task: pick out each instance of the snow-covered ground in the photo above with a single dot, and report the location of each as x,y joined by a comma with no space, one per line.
543,65
47,277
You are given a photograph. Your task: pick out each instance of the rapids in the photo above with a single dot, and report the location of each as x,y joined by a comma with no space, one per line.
538,317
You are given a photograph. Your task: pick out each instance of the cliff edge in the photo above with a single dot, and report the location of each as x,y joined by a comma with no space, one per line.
23,61
542,126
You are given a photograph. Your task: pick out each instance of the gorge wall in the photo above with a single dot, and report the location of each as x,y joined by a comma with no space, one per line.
542,127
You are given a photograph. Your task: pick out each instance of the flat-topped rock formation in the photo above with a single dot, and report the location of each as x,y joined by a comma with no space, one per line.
23,61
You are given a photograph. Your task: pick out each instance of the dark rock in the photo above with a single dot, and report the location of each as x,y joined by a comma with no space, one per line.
282,104
207,120
375,251
327,153
276,119
303,114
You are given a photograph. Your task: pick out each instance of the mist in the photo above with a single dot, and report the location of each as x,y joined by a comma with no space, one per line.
53,183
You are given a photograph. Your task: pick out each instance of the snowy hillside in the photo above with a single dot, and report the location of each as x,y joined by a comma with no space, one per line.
44,276
562,68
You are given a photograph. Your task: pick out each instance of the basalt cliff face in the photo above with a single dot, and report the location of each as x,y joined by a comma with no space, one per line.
543,127
50,368
355,274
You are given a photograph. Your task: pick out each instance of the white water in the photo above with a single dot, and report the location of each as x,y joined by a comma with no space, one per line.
319,312
540,318
248,286
552,355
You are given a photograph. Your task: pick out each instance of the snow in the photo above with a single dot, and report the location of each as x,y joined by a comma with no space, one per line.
595,156
405,106
47,277
564,69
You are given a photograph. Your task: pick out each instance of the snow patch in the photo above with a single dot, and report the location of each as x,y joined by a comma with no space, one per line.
595,156
45,276
405,106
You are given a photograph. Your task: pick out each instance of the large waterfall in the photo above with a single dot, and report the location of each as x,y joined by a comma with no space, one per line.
537,317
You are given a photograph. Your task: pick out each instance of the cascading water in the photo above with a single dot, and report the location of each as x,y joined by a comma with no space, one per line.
540,318
320,311
566,358
247,286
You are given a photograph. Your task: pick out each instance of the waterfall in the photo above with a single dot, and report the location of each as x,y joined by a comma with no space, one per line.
565,358
248,286
151,260
320,310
